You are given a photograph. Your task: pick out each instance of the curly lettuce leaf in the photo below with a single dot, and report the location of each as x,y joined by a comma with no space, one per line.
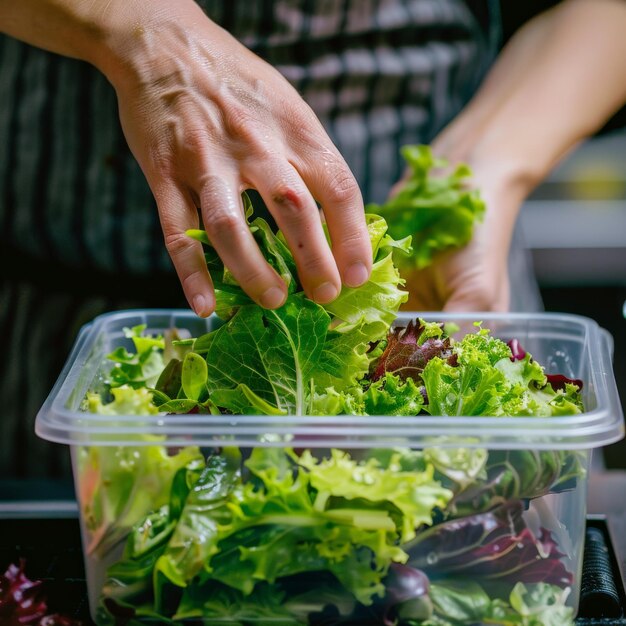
387,396
437,211
126,401
281,528
391,395
484,378
374,306
414,494
141,368
285,516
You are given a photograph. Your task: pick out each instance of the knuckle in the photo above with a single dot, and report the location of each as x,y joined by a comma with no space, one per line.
342,188
241,123
254,276
251,133
177,243
353,237
354,242
187,282
220,223
313,264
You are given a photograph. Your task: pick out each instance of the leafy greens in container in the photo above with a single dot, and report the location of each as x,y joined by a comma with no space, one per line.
287,535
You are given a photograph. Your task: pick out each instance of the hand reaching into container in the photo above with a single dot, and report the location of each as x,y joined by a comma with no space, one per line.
206,119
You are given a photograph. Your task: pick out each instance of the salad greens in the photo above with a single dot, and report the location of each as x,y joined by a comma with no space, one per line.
437,211
273,535
23,601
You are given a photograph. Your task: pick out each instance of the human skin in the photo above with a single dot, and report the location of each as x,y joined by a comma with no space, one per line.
206,119
556,83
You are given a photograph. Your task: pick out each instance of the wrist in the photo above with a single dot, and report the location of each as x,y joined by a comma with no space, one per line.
138,42
505,171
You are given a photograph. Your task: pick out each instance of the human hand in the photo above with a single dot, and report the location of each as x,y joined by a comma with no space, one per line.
516,129
474,277
207,119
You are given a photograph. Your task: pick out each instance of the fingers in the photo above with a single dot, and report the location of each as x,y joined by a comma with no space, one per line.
177,214
227,229
296,214
334,187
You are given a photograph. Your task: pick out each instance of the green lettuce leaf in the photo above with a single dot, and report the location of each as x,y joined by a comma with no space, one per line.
197,531
465,602
541,605
439,212
389,395
485,381
224,606
275,361
141,368
414,494
273,353
375,304
118,486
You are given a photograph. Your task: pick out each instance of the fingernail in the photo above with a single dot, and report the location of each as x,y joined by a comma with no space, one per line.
200,305
273,298
356,275
326,292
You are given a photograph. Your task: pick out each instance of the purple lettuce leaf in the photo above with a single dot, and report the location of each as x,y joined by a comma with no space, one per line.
517,352
406,357
494,545
407,595
22,601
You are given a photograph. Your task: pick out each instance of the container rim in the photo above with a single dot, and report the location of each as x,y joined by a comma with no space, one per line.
595,428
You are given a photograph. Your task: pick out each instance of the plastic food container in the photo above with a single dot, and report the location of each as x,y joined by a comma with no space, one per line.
547,520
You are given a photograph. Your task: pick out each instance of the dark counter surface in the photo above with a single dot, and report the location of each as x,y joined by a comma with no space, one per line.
607,496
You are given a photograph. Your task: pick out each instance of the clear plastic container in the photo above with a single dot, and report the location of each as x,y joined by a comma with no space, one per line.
550,523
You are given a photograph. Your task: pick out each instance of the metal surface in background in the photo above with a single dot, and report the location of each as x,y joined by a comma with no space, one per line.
575,222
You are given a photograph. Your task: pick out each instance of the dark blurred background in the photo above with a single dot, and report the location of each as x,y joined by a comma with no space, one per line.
575,227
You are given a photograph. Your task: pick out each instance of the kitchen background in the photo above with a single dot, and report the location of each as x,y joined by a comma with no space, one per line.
574,225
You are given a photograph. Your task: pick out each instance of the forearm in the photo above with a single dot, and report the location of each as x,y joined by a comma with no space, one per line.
103,33
205,119
559,80
75,28
518,58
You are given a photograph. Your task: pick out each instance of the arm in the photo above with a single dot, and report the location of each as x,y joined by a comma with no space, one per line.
559,79
206,119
